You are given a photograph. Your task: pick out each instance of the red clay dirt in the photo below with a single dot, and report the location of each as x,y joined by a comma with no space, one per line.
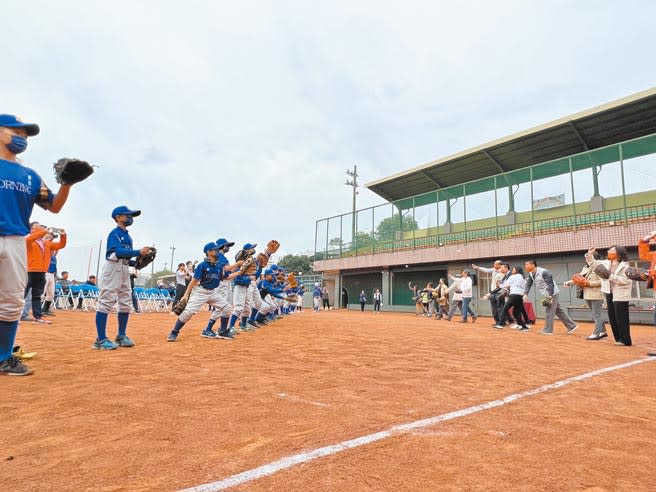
167,416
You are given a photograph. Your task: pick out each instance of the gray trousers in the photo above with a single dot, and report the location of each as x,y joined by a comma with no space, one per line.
595,307
457,304
115,287
556,310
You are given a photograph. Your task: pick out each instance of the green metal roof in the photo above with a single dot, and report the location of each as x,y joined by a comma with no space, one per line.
625,119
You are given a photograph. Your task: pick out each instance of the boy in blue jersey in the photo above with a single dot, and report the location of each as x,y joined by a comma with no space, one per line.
273,293
20,189
203,289
223,306
242,282
115,281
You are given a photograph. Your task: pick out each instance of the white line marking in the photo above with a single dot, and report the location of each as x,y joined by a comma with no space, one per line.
290,461
301,400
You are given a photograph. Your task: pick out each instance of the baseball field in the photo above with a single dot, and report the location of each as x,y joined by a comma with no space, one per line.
329,401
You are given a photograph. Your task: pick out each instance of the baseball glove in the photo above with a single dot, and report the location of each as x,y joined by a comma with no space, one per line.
145,260
580,280
71,171
291,298
241,255
249,267
21,354
547,301
639,274
272,246
601,270
262,259
291,280
179,306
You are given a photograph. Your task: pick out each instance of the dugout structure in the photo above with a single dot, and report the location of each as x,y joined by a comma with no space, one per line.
548,192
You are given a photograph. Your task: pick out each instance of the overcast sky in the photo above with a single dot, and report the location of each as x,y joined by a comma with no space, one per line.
239,119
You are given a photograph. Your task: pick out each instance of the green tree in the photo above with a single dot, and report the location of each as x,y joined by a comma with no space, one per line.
296,263
362,239
387,229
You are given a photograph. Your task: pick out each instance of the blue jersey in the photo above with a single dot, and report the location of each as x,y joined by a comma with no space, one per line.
52,268
246,279
316,292
20,189
208,274
267,287
222,261
119,245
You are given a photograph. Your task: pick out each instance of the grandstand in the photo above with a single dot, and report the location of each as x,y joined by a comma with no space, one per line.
548,192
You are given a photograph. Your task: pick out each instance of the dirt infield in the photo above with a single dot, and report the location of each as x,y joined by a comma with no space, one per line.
169,416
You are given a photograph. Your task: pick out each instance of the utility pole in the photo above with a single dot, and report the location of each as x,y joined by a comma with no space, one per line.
172,248
354,183
152,267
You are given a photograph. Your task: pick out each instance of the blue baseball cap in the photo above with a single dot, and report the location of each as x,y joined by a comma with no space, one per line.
209,247
249,246
221,242
123,210
11,121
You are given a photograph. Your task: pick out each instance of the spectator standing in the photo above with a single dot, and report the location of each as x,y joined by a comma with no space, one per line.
378,298
456,299
426,296
181,277
466,285
416,296
515,285
616,289
325,298
594,298
134,273
49,292
495,281
441,299
40,246
363,300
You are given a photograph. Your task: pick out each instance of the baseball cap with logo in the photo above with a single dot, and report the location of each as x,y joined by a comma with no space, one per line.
123,210
210,246
11,121
249,246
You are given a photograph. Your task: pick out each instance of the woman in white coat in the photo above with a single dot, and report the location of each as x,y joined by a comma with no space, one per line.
616,287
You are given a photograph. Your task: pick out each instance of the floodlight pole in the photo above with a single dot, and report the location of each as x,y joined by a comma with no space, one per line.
172,248
353,183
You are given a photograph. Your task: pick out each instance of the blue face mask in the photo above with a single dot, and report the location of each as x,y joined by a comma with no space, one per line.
128,222
17,145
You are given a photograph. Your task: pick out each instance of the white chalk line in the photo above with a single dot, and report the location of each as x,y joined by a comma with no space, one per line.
297,459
